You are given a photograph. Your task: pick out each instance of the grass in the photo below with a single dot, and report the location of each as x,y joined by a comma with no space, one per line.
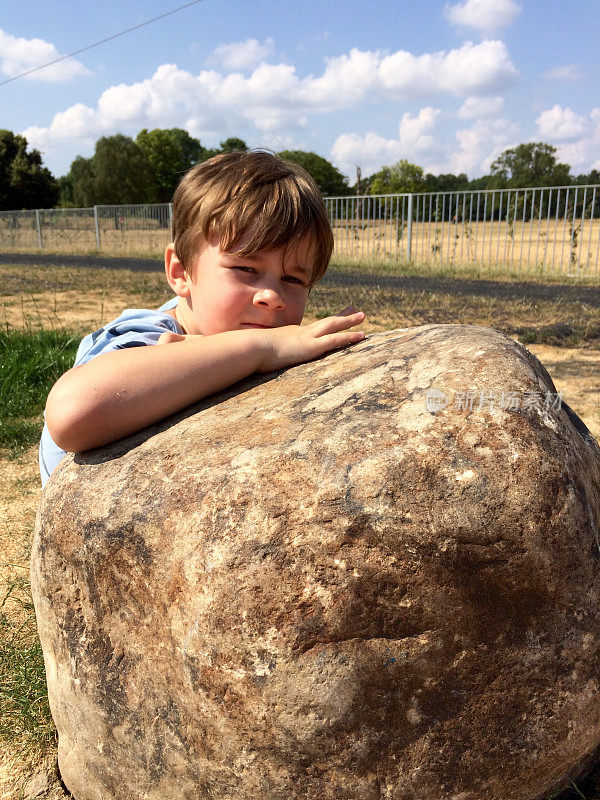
564,313
30,362
25,719
586,790
57,278
385,266
562,318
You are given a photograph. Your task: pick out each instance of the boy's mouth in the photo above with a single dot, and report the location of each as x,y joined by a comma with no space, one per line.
255,325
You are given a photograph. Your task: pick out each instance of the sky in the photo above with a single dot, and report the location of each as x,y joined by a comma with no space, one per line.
446,85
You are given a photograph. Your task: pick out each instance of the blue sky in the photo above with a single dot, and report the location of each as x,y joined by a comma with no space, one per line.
447,85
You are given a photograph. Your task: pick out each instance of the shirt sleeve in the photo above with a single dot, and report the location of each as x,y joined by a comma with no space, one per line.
136,327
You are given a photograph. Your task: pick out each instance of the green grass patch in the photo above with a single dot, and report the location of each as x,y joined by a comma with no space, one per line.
25,718
30,362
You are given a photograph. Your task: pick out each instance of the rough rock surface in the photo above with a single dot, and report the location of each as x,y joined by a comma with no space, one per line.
313,586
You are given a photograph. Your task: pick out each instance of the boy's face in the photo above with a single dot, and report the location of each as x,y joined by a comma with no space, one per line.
230,292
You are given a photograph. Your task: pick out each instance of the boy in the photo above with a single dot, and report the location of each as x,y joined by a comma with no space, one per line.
250,238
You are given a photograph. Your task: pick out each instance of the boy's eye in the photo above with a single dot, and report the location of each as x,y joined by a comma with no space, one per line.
293,279
251,271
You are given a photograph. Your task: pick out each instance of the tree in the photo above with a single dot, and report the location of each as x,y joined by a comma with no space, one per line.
586,179
122,173
65,191
401,177
530,164
24,181
192,151
232,145
328,178
484,182
117,173
170,153
446,182
81,179
364,187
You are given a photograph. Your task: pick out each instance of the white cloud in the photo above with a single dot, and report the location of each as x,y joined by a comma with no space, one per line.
475,107
473,69
415,132
571,73
372,151
241,55
36,137
274,99
561,124
485,16
369,152
346,80
576,136
582,156
20,55
78,121
480,144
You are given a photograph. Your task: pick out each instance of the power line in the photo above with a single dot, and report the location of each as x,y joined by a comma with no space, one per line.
102,41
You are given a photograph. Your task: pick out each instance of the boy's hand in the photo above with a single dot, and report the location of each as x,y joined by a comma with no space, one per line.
126,390
294,344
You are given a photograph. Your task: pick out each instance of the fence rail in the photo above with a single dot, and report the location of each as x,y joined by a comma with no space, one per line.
541,230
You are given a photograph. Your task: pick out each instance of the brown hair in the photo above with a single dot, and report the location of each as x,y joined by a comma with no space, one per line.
253,191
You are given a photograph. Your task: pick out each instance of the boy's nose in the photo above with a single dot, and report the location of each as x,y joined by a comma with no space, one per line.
270,298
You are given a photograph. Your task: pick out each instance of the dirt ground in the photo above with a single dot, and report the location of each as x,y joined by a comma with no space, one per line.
576,374
575,371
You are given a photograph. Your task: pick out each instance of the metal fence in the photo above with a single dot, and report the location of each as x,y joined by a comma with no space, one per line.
540,230
107,229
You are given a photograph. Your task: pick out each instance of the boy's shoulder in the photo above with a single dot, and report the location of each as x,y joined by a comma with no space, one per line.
134,327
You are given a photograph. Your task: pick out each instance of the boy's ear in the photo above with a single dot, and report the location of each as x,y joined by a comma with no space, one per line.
177,277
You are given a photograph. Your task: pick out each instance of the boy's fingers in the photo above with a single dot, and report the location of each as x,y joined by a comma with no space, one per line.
346,311
342,339
340,322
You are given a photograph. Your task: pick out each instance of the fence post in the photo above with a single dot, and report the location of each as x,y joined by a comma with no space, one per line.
409,214
39,230
97,227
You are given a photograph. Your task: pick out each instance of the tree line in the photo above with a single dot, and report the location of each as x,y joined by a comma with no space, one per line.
148,168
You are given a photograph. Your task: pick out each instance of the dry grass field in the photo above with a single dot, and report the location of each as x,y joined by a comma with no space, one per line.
564,323
82,240
538,247
533,248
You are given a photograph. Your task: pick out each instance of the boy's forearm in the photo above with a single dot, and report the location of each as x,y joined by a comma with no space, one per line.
118,393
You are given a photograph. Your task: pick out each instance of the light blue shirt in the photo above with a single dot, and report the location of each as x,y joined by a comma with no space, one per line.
135,327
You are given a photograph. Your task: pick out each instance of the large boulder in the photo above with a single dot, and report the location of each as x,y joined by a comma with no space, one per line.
374,576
